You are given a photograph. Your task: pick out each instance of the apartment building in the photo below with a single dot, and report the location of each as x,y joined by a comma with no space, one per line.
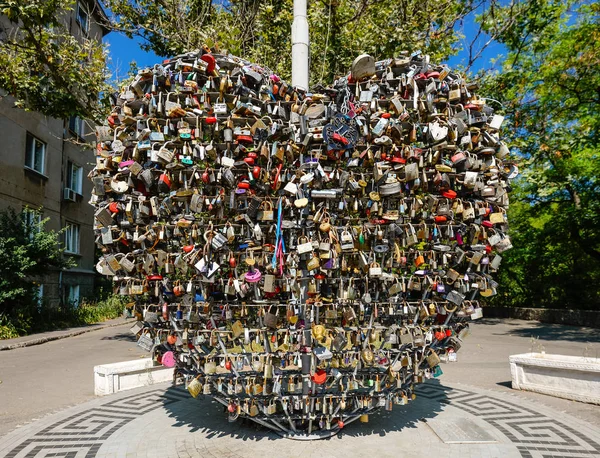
42,166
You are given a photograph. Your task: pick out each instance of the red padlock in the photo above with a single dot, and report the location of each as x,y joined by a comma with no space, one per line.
228,365
449,194
256,172
245,139
338,138
164,179
211,63
113,207
112,120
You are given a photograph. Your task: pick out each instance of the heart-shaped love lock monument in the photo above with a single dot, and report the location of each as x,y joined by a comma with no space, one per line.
303,258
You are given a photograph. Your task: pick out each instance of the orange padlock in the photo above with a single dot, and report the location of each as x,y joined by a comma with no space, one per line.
419,260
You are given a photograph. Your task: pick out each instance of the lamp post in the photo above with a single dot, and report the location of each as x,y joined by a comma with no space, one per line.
300,46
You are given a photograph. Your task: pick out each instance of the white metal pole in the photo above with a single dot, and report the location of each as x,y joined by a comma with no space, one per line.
300,45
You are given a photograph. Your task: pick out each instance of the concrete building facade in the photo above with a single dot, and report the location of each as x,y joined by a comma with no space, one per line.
42,166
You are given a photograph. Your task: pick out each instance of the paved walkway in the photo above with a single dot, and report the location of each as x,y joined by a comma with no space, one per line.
444,421
470,411
43,337
41,379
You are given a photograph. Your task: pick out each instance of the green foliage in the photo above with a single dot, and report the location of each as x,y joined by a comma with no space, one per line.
167,27
7,328
26,251
43,319
42,62
51,318
260,30
550,88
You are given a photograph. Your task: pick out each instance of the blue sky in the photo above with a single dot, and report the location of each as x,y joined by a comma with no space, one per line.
124,50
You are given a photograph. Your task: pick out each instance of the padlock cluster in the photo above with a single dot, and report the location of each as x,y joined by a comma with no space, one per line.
304,258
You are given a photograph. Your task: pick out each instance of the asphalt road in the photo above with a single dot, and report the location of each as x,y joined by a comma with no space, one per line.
45,378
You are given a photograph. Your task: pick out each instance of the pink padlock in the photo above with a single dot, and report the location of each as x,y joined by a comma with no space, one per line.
168,359
253,276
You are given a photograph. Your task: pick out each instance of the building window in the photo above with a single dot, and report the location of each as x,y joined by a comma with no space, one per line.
73,295
72,238
83,17
32,220
40,295
77,126
35,154
74,177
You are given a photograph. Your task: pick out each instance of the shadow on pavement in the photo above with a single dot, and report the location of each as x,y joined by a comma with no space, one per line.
545,331
210,417
125,336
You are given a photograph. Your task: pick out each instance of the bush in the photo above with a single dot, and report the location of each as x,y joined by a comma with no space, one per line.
31,320
7,329
107,309
26,251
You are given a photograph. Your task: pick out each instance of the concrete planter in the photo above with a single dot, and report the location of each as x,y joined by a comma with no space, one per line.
569,377
112,378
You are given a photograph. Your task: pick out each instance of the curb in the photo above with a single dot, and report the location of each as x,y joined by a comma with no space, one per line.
42,340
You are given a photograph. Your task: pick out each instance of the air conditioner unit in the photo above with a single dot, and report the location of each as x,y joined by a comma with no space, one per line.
70,195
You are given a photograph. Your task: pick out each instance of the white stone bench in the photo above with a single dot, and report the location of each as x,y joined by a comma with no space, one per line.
127,375
569,377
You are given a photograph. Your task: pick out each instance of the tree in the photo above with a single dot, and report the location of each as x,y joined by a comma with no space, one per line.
26,251
550,88
42,62
260,30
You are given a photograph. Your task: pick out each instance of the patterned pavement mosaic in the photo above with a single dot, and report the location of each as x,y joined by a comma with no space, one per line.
164,421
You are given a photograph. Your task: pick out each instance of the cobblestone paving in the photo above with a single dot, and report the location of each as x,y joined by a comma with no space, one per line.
163,421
